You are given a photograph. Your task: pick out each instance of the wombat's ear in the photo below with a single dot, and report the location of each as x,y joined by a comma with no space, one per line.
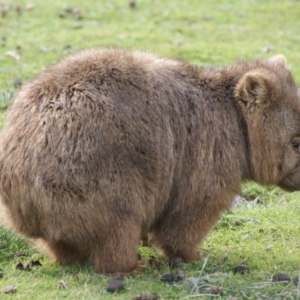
252,89
278,60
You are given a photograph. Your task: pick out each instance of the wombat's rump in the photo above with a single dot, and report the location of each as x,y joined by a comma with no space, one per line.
109,145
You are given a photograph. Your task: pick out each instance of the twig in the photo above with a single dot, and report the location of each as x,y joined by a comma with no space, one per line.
203,266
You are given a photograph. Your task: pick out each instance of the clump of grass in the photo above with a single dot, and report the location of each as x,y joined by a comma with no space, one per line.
5,98
12,245
254,192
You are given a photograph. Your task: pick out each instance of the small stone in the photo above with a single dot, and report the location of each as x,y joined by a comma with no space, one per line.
18,253
18,9
176,262
30,6
281,277
180,275
149,296
77,26
13,54
10,289
2,40
241,269
17,82
3,12
178,43
61,285
77,14
267,48
68,10
35,263
115,285
215,290
132,4
20,266
168,278
67,47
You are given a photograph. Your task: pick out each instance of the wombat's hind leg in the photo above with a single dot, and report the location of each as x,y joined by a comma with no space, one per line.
117,254
67,254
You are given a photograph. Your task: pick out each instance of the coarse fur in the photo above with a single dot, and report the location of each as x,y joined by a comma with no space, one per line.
108,145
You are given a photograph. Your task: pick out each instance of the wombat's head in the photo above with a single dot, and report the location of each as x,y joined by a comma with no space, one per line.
269,100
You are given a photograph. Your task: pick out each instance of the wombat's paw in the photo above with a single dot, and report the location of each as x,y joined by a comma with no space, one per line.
136,271
176,262
187,254
190,256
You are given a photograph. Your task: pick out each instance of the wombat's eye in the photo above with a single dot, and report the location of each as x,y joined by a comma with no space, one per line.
296,145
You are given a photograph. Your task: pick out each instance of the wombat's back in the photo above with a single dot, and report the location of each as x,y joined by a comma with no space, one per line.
81,133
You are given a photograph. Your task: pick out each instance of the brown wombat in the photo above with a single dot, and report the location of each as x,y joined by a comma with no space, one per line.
108,145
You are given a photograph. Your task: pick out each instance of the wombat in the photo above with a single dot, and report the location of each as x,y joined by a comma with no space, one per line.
109,145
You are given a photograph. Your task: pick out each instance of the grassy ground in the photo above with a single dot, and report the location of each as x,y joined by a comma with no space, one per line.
263,234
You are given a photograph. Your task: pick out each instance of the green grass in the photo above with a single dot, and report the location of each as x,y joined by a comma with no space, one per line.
265,237
265,234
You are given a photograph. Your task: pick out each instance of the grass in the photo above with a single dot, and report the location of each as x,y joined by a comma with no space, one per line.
264,234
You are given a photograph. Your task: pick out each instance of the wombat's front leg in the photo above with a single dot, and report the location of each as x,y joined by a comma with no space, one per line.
181,236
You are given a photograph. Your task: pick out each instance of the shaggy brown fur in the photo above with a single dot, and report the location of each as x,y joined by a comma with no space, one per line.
108,145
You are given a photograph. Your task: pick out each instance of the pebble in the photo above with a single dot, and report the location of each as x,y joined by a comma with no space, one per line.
115,285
